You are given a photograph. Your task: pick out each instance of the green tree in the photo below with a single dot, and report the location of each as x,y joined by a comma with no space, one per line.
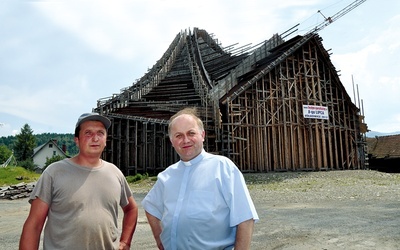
24,144
5,153
54,158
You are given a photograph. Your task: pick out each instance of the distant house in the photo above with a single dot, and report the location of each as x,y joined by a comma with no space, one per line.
46,151
384,153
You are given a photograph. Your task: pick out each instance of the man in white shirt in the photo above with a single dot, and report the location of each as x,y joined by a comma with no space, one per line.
202,201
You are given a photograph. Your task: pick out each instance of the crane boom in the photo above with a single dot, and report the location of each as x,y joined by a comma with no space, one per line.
336,16
293,48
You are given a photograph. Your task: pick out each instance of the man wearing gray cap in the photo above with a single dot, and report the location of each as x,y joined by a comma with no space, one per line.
80,196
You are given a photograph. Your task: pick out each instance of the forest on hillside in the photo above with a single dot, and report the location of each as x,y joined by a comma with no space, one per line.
62,139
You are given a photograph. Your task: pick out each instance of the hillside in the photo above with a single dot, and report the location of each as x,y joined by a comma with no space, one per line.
372,134
62,139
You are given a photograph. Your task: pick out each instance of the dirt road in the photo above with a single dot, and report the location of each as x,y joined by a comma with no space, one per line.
313,210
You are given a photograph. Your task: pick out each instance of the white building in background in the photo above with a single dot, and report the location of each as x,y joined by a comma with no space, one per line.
47,151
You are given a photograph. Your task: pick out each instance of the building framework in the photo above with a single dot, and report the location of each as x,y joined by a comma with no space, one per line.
251,100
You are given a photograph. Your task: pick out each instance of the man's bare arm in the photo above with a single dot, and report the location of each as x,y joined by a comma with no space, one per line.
155,225
30,237
244,234
128,223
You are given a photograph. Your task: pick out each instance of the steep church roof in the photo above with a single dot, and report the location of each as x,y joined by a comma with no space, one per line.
250,100
195,69
191,66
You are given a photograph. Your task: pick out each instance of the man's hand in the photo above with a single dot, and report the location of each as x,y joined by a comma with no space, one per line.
124,246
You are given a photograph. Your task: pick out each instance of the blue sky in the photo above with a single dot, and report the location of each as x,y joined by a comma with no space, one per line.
57,58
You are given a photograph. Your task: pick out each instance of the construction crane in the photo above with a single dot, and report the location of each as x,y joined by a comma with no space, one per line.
293,48
329,20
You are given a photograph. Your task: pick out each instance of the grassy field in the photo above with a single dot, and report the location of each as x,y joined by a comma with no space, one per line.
13,175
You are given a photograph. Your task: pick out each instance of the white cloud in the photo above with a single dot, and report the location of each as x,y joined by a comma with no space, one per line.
45,105
125,29
60,56
370,61
104,26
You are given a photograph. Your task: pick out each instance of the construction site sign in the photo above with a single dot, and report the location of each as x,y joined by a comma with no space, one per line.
315,112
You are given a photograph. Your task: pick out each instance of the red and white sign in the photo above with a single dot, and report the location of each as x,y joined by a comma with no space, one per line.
315,112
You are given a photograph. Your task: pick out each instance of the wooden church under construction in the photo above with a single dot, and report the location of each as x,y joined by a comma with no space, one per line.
277,106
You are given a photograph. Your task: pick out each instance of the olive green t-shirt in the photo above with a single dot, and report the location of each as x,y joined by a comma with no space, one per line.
83,205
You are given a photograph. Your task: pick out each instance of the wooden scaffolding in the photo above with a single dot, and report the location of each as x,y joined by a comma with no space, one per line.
251,101
266,129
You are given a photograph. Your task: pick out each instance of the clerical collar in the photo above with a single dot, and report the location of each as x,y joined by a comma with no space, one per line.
195,160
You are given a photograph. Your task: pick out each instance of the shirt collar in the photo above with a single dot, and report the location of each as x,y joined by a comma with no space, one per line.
195,160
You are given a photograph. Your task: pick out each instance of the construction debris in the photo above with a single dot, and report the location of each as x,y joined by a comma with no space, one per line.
18,191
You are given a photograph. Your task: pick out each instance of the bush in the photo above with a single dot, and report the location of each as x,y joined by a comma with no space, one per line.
136,178
27,164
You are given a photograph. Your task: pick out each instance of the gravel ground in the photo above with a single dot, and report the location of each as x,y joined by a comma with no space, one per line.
353,209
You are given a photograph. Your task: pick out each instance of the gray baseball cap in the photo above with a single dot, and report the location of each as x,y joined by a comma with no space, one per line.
93,117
